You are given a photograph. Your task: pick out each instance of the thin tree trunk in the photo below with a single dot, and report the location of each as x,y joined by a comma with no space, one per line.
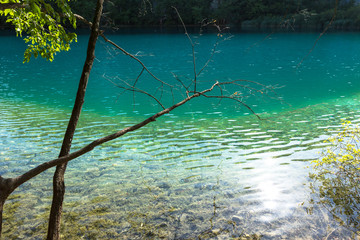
4,193
58,179
3,197
2,202
6,188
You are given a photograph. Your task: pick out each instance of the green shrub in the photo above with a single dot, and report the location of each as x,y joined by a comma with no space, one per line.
337,177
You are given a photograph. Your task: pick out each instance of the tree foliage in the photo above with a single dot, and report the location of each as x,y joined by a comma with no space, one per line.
42,24
261,12
337,176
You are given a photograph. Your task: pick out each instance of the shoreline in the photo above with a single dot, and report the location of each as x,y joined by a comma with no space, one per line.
249,26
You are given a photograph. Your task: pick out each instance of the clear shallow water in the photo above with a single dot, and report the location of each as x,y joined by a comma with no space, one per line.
207,169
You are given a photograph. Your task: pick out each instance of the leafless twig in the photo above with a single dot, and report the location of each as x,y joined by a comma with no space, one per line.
218,41
4,6
17,181
144,68
321,34
192,46
237,100
132,88
123,50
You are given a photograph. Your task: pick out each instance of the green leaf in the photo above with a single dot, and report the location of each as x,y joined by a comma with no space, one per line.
8,11
45,35
35,8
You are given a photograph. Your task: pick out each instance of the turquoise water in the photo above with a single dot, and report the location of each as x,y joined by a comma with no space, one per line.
208,169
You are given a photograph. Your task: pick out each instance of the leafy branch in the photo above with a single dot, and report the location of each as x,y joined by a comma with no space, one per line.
42,25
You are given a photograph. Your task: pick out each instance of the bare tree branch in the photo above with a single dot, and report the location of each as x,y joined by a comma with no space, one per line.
122,50
211,56
128,87
135,58
181,82
4,6
237,100
137,79
192,45
321,34
265,89
258,42
133,89
8,185
219,37
17,181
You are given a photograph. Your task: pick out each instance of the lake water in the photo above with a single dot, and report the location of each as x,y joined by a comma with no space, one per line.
208,170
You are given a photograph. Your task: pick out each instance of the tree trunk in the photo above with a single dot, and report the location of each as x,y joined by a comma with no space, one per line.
6,187
2,202
3,197
58,179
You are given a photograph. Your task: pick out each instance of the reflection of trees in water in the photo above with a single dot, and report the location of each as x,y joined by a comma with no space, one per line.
336,185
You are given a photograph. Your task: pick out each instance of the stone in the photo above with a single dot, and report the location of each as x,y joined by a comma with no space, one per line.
163,225
236,219
164,185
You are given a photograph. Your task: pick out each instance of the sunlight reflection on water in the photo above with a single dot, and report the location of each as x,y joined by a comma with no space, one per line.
258,171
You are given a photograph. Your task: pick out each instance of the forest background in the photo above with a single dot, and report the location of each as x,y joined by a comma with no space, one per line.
239,14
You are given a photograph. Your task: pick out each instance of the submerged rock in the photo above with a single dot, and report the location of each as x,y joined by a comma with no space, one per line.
186,218
163,225
183,218
236,219
164,185
216,231
205,186
229,195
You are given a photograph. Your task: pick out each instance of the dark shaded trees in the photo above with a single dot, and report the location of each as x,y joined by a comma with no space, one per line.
193,11
158,12
233,11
